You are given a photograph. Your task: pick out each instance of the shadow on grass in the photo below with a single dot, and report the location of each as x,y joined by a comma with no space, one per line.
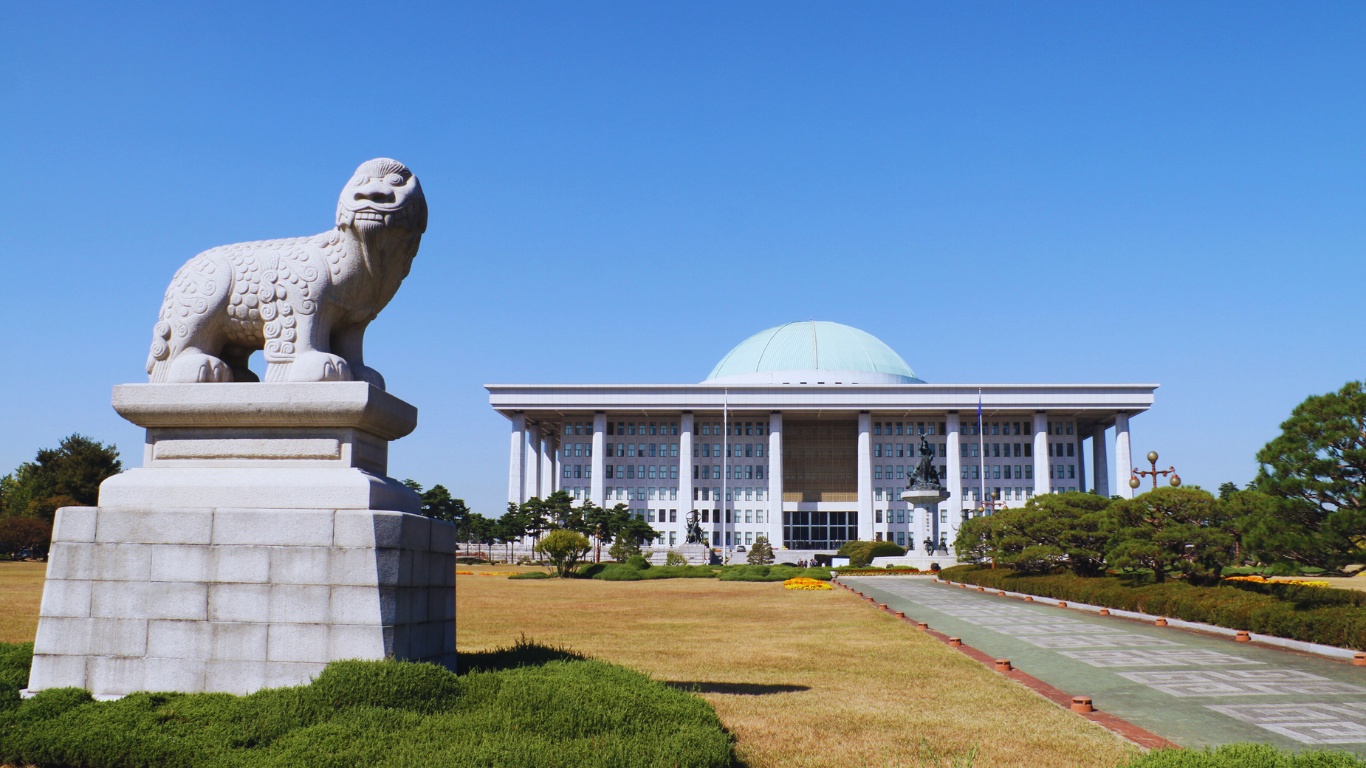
739,689
523,653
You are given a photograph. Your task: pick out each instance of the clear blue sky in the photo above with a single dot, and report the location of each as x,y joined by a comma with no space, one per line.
1031,192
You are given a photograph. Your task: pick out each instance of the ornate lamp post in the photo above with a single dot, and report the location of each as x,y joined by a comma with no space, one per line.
1136,473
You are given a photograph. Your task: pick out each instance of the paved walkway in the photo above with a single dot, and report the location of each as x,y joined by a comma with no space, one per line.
1192,689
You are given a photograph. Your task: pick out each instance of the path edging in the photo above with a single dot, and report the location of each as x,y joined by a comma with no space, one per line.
1116,725
1317,649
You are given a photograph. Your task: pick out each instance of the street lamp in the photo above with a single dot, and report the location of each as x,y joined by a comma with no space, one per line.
990,506
1135,473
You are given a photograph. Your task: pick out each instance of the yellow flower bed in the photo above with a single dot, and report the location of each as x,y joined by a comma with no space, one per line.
497,573
464,573
806,584
1263,580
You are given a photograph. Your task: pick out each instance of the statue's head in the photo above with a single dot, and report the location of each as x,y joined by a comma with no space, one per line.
383,193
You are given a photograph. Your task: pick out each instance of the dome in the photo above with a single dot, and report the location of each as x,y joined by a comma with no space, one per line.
812,352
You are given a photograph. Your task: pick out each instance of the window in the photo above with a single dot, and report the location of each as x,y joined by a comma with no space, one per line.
996,472
567,471
652,428
901,473
673,471
578,470
901,515
973,450
653,476
900,538
877,471
964,470
877,450
877,513
716,471
759,472
630,471
758,516
609,471
1071,471
943,450
1029,471
1028,451
974,472
877,428
631,450
1071,450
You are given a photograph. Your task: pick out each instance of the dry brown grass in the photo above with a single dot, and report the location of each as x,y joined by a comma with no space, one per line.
21,590
822,679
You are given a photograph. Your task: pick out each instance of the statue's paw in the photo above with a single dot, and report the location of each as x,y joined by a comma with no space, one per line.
319,366
198,368
369,375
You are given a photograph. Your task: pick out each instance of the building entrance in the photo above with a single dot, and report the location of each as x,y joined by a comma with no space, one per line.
819,530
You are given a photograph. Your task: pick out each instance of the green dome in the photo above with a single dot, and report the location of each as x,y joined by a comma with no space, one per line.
812,352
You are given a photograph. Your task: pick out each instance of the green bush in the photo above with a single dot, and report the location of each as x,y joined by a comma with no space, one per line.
861,553
530,575
376,713
674,558
1312,614
638,562
1243,756
771,573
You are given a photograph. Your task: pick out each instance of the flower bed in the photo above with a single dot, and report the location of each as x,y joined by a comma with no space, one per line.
805,584
1255,579
1291,610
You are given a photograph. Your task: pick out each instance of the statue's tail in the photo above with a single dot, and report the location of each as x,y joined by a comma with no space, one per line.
158,358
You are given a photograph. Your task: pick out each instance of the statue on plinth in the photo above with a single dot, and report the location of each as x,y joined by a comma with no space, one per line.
925,475
305,301
694,534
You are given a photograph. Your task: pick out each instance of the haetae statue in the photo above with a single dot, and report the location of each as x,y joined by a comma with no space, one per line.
305,301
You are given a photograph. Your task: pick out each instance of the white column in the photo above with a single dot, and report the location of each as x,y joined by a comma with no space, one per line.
595,486
865,476
1041,483
557,470
547,449
775,480
517,459
1100,464
1123,459
1081,463
954,481
685,484
532,484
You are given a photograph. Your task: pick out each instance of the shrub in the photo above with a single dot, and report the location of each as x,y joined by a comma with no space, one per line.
861,553
675,559
379,713
638,562
530,575
563,548
1243,756
1312,614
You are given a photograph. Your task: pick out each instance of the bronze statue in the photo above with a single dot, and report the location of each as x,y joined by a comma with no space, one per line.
695,534
925,472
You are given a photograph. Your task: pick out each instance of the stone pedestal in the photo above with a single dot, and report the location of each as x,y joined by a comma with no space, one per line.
260,540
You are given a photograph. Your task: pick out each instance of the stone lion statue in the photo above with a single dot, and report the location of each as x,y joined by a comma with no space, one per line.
305,301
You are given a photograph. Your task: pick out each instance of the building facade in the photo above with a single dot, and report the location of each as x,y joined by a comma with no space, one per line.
806,434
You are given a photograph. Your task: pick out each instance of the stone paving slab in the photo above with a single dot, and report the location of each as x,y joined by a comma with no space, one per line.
1193,689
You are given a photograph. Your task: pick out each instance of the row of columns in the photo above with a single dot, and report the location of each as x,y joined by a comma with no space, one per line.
534,469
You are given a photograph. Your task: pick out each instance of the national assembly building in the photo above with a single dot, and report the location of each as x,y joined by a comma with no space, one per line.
806,434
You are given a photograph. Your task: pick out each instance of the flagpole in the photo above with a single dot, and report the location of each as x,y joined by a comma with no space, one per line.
982,450
725,468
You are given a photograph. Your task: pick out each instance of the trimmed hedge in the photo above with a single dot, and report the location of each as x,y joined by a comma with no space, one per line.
861,553
530,575
1312,614
626,572
772,573
377,714
1243,756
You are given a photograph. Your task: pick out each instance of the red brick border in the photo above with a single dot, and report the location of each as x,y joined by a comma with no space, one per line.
1123,728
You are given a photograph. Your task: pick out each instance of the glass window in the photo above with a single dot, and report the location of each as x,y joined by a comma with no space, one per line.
1071,447
877,471
877,496
877,427
877,450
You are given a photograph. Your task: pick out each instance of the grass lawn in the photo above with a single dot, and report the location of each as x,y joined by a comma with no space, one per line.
21,590
800,678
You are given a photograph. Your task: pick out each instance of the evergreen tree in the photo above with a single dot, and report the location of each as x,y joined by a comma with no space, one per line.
69,475
761,553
